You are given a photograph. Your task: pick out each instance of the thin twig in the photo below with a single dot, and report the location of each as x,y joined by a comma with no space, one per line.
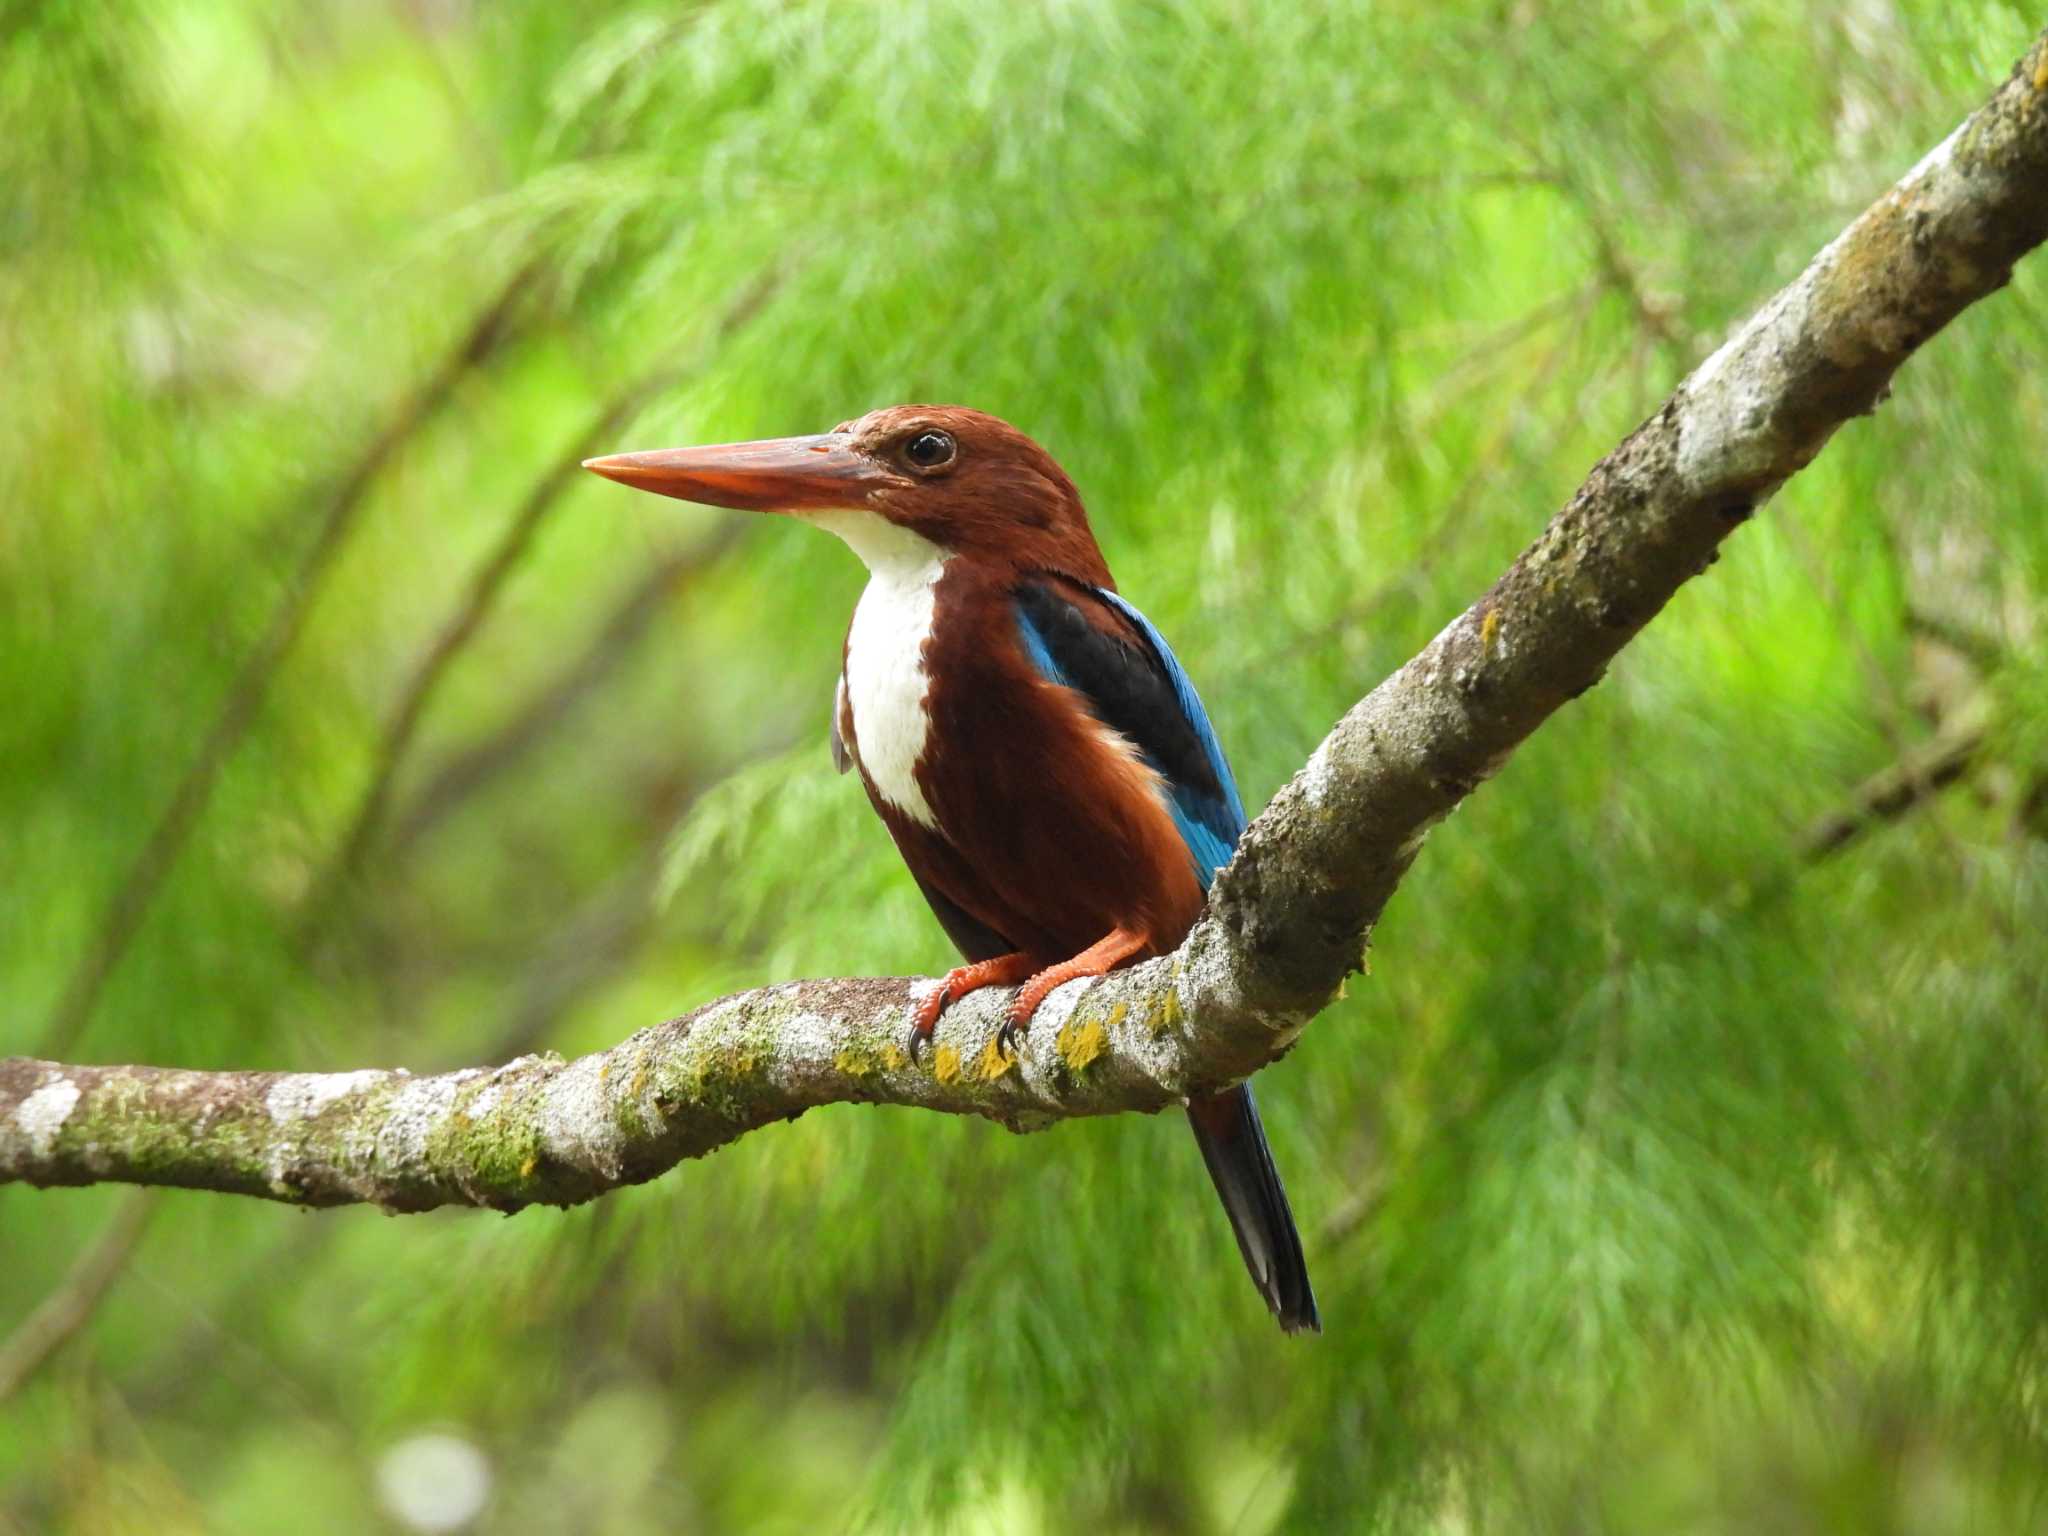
614,641
1653,317
504,557
469,616
1450,520
68,1308
1920,773
1977,644
132,899
599,938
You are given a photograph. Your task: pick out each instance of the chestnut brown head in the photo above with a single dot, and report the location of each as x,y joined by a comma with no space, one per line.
958,479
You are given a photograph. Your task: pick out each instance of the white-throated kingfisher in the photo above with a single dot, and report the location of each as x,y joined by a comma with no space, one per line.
1045,766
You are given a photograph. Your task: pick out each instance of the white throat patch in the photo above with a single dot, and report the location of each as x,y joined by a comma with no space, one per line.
886,681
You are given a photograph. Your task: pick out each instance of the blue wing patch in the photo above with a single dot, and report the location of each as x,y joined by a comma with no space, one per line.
1212,822
1144,694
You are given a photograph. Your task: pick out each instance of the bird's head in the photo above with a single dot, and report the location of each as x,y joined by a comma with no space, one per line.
897,482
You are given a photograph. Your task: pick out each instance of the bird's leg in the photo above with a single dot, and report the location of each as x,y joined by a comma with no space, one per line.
1003,971
1098,959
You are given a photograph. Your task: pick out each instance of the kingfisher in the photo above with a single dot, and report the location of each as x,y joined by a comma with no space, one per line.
1040,758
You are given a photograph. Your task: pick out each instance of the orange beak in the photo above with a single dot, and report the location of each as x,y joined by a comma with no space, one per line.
783,474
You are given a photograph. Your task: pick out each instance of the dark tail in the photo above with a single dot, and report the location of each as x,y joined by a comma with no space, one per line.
1234,1146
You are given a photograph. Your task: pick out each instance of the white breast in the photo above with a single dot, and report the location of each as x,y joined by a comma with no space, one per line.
886,681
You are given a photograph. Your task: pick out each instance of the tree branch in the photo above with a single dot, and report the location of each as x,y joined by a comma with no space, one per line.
1288,918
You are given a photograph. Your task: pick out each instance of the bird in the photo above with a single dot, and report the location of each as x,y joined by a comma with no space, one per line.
1038,754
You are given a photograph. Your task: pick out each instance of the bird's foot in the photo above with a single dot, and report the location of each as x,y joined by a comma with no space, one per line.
1098,959
924,1018
1003,971
1016,1024
1017,1021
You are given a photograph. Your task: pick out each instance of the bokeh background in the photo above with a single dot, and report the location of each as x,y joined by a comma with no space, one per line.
1678,1167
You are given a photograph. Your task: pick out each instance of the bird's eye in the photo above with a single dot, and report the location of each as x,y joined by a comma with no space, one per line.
928,450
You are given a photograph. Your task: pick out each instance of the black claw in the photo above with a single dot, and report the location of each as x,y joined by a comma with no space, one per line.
1007,1041
917,1039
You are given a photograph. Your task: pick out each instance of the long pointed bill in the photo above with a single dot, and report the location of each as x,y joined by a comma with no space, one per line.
784,474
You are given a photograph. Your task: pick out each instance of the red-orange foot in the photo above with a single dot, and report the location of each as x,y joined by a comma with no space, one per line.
1098,959
1003,971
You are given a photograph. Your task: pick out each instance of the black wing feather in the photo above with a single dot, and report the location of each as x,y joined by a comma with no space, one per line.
1129,690
1136,687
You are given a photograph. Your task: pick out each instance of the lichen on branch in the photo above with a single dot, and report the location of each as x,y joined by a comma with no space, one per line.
541,1130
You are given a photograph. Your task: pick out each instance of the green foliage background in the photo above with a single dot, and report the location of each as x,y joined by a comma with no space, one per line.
1659,1178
